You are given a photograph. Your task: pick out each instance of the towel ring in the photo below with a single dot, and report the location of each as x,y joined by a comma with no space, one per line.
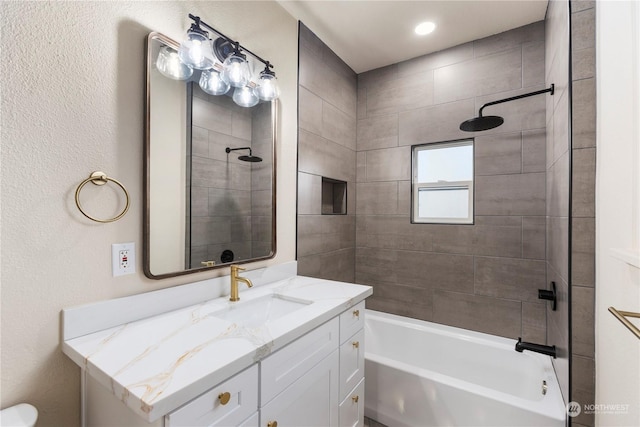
101,178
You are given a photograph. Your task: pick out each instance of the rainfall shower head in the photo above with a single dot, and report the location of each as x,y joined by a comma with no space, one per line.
250,158
481,122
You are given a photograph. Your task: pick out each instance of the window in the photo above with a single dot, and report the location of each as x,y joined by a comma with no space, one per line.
442,189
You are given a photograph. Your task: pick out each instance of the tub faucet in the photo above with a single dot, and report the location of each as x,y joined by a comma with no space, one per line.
549,350
235,278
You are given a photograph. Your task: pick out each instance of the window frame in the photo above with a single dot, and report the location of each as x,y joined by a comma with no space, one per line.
416,186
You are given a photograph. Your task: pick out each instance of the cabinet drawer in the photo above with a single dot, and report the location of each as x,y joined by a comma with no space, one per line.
209,409
285,366
351,363
352,407
311,401
351,321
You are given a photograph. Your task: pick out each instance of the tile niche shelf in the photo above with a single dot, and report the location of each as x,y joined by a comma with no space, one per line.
334,197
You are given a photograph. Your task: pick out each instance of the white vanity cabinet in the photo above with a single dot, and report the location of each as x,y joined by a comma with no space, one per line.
173,357
299,384
310,393
316,380
311,401
352,367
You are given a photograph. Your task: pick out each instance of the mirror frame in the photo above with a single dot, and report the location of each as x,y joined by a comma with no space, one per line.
147,175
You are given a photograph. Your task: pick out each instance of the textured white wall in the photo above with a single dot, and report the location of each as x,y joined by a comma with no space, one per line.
617,209
72,103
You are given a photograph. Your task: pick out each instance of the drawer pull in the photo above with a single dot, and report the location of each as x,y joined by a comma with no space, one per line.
355,398
272,424
356,344
356,313
224,397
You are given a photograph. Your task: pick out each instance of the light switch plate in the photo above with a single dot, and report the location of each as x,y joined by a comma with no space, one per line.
123,258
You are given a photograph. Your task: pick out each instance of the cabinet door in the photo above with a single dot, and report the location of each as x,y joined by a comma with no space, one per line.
352,407
351,363
311,401
284,367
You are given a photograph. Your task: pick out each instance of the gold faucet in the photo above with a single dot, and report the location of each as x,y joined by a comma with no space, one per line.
235,269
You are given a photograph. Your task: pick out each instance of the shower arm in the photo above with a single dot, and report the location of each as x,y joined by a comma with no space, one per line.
513,98
228,149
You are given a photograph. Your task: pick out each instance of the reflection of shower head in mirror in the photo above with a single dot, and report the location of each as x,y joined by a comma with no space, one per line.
250,158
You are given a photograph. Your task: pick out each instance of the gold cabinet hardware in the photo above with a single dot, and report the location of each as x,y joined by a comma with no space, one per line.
224,397
272,424
208,263
356,313
355,398
356,344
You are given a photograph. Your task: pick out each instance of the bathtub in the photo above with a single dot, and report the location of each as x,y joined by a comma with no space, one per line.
422,374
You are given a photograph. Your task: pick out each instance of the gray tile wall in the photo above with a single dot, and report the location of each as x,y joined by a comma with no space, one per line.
558,169
480,277
484,276
326,147
583,23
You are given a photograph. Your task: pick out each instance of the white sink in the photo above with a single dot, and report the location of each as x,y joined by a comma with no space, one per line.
257,312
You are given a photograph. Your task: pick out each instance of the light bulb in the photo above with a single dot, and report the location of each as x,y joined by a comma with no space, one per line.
169,65
268,89
196,50
425,28
235,70
211,83
245,96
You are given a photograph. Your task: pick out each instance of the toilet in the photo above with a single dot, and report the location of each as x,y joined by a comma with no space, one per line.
21,415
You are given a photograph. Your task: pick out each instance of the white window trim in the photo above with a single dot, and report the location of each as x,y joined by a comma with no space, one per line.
415,218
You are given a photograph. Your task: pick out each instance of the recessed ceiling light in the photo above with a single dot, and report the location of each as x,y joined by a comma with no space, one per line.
425,28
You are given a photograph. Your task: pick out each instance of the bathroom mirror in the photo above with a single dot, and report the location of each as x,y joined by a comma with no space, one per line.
209,173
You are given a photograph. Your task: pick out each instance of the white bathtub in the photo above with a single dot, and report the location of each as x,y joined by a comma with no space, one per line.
422,374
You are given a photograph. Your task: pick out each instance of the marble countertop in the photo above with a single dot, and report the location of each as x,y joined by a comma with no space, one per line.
157,364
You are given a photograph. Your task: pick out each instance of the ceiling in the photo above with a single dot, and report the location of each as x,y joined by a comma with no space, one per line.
369,34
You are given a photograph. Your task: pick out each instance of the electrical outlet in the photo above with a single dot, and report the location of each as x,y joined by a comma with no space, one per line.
123,258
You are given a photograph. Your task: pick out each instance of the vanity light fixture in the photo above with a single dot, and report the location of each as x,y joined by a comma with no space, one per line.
425,28
268,86
245,96
169,65
235,70
224,65
212,83
196,51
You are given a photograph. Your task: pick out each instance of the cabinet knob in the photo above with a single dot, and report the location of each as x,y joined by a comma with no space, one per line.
356,344
355,398
224,397
356,313
272,424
